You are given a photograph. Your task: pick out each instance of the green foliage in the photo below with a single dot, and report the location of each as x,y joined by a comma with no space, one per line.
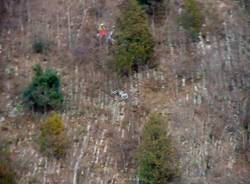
134,43
154,7
44,91
7,175
191,18
33,180
150,2
156,155
53,140
246,5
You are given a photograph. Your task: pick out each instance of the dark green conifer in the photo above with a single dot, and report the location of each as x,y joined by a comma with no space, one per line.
134,43
157,159
191,18
44,91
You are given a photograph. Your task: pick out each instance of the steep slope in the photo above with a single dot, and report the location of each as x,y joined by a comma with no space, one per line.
203,86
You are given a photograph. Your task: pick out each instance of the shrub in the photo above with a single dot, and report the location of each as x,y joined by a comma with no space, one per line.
39,45
156,155
7,175
134,43
44,91
53,140
191,18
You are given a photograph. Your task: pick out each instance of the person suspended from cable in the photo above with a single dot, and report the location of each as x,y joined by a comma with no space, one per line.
102,33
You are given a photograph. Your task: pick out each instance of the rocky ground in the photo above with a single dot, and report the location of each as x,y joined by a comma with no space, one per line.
202,87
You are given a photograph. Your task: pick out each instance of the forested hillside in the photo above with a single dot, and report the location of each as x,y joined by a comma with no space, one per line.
124,91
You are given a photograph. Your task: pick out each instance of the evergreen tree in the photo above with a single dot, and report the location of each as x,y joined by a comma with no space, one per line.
156,155
134,43
150,2
246,5
191,18
153,6
43,93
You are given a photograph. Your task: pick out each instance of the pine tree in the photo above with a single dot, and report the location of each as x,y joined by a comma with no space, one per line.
191,18
156,155
44,91
156,9
152,5
134,43
246,5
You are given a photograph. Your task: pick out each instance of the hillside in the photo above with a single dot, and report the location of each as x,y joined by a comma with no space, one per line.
202,86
